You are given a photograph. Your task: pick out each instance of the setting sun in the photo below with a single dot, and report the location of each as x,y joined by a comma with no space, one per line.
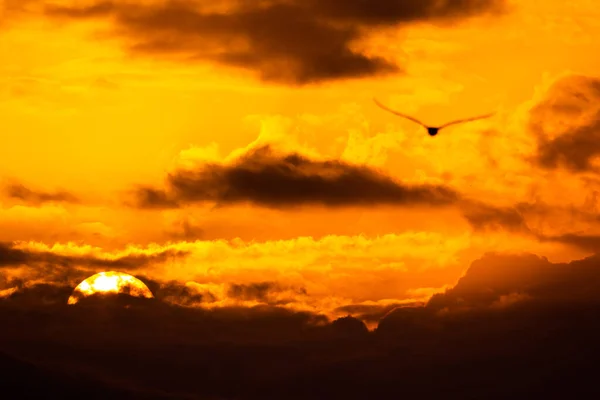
110,282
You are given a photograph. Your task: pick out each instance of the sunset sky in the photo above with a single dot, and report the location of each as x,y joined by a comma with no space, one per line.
232,145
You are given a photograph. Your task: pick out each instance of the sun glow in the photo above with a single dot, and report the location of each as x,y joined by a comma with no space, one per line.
110,282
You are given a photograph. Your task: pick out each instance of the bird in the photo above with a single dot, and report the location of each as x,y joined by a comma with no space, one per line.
432,130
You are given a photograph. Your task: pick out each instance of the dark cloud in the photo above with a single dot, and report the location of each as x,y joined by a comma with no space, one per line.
370,313
294,41
39,295
264,292
503,279
20,192
177,293
567,124
583,242
268,179
255,291
11,256
483,217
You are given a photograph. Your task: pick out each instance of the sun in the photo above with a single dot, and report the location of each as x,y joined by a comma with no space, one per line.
110,282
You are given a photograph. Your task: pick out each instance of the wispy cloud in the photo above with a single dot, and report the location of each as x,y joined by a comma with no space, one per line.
12,255
27,195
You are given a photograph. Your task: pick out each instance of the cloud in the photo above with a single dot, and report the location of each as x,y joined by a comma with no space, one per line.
566,123
303,273
372,313
179,293
497,278
260,291
583,242
514,219
483,217
38,295
27,195
292,41
10,256
14,256
268,179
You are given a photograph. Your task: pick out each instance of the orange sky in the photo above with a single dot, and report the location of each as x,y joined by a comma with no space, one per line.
86,114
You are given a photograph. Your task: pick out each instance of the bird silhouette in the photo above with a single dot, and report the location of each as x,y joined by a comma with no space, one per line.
432,130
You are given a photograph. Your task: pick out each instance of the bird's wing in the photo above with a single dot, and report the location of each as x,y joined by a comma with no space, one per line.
399,114
460,121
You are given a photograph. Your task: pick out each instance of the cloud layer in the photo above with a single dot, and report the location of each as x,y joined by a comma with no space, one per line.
517,320
13,256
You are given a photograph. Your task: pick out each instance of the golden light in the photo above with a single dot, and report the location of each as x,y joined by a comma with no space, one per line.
110,282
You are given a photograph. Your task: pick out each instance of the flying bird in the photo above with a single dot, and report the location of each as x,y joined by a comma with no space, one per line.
432,130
